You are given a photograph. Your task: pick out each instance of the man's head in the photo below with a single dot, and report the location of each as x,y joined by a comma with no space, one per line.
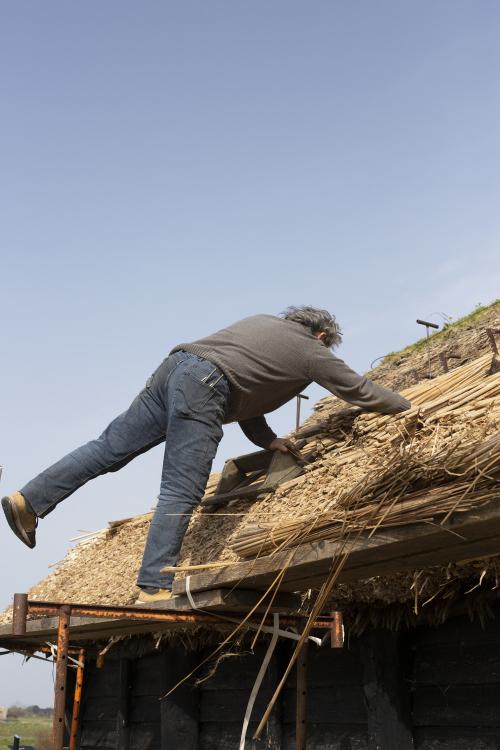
321,323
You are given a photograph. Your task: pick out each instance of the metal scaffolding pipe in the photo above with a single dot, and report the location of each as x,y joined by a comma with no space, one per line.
19,614
157,615
75,719
61,677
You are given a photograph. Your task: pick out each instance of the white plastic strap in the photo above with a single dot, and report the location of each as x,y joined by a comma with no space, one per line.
258,681
53,651
276,633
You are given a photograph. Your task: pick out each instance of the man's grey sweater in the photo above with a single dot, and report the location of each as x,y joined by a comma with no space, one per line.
269,360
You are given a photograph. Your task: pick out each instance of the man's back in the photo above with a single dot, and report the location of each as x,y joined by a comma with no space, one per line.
269,360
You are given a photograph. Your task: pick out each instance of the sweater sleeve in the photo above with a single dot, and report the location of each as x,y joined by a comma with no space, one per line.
333,374
258,431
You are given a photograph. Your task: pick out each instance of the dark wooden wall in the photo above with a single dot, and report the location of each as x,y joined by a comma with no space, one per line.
430,689
456,699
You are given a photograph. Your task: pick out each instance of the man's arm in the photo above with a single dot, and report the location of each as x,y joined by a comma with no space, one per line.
258,431
333,374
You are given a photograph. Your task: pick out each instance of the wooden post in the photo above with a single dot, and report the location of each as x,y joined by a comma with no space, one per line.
61,677
75,720
180,710
122,717
301,723
386,691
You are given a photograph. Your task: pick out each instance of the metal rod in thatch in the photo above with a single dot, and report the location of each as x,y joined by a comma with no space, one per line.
75,719
427,326
61,677
297,415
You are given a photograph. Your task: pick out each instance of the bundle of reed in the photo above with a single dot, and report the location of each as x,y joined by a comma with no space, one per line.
433,399
419,485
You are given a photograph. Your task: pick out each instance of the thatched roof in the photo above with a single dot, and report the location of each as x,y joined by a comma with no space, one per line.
103,568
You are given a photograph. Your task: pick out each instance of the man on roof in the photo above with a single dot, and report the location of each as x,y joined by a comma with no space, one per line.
238,374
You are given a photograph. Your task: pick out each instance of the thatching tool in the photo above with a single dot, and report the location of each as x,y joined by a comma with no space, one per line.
427,326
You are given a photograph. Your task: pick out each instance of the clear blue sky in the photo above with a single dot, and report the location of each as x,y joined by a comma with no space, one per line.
167,168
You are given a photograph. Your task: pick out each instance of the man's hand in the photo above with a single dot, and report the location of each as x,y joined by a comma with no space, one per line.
281,445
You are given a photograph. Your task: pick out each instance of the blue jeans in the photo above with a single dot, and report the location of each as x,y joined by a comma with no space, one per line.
184,403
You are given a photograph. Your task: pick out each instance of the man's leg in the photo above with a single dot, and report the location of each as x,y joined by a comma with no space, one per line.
135,431
197,399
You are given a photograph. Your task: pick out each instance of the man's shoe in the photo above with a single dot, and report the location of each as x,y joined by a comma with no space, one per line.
161,595
20,518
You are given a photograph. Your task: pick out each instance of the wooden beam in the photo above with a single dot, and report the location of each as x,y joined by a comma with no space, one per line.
465,536
222,600
387,694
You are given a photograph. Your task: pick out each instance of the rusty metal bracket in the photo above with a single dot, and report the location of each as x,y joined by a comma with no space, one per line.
337,630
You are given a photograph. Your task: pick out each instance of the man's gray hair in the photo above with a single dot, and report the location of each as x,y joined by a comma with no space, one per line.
316,320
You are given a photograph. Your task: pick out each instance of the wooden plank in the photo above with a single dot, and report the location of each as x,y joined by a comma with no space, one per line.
417,561
226,736
221,600
460,632
335,667
179,711
123,713
101,683
457,706
457,663
242,493
461,738
328,737
98,734
386,692
337,705
145,736
145,708
230,705
148,675
388,550
103,708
